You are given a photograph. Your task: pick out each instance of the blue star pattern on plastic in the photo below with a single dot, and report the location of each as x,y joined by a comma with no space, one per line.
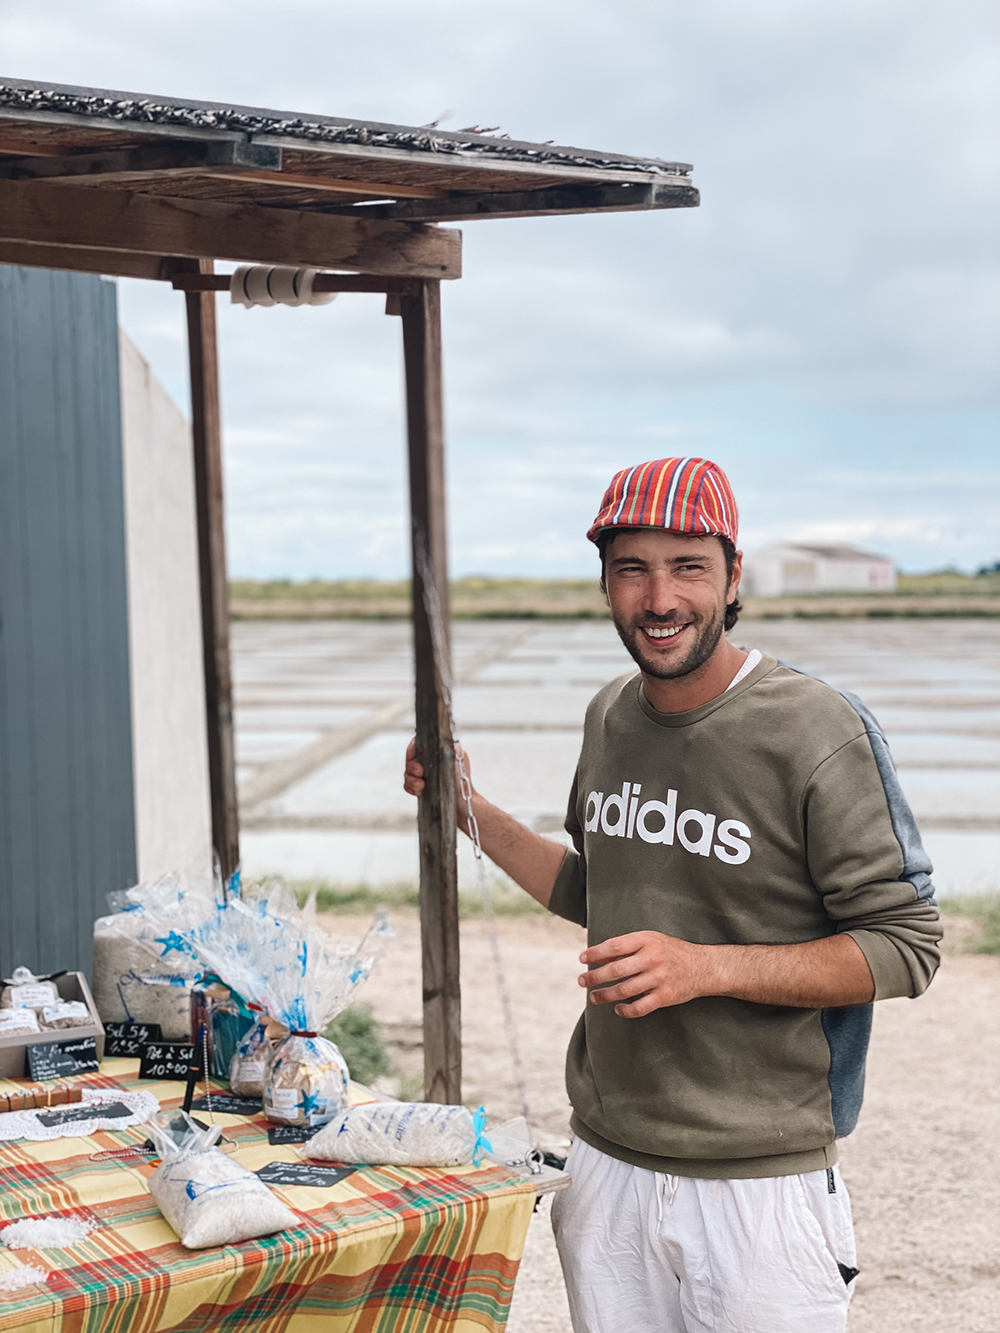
309,1104
175,941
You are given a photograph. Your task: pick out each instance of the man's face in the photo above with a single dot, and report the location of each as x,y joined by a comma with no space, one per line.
668,593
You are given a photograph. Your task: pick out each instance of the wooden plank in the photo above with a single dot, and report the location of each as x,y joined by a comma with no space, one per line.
207,442
112,263
321,183
555,201
200,228
140,163
435,745
323,282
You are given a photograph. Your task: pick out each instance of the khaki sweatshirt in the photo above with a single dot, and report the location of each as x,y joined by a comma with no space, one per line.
770,815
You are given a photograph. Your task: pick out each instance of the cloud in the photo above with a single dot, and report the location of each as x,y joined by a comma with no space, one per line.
834,298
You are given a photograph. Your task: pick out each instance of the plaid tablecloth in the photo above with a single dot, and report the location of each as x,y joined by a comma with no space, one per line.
387,1250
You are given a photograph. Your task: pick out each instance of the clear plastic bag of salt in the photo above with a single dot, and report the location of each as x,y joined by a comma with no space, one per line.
206,1197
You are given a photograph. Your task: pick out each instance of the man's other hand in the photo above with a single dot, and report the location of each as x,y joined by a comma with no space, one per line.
643,971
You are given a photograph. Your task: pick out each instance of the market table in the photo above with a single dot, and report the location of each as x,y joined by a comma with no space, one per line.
385,1249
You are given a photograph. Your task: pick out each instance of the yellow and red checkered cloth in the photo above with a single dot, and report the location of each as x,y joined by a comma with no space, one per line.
387,1250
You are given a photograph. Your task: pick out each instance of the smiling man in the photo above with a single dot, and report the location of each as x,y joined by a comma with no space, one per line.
751,879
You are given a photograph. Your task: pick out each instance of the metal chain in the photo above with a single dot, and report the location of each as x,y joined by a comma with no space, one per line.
208,1072
432,607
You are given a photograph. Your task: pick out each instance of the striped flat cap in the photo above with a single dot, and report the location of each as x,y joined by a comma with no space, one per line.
676,494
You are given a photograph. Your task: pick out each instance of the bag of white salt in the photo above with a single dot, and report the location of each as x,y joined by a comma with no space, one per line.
27,990
206,1197
14,1021
402,1134
65,1014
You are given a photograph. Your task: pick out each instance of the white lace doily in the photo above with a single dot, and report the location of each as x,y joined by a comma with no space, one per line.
26,1124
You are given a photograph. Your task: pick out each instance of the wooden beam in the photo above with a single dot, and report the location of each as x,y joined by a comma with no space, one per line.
112,263
145,162
556,201
207,442
38,212
259,164
323,282
435,745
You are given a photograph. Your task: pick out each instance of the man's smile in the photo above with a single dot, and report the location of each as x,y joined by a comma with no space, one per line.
662,632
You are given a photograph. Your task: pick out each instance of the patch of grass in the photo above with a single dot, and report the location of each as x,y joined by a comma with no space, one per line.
362,898
984,910
359,1038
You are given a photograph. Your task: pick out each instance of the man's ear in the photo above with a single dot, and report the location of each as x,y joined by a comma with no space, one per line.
734,582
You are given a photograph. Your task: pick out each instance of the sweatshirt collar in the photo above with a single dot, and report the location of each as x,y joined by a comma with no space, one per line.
763,668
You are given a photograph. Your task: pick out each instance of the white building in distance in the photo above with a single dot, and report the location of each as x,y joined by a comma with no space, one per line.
794,568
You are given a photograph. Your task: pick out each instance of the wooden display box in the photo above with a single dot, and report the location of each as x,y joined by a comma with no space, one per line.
13,1049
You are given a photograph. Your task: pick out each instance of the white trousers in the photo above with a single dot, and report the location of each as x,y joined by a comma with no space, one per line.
649,1253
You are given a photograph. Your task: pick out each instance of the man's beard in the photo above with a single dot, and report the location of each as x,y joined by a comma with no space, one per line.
706,639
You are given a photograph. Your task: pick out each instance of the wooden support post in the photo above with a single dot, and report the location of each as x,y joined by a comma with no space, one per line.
207,439
436,811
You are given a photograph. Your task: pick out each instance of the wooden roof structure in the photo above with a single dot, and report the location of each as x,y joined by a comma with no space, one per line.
137,186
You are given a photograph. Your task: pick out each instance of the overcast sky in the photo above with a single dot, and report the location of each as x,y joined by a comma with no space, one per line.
825,326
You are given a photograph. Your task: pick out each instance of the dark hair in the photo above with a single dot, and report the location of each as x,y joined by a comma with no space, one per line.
733,609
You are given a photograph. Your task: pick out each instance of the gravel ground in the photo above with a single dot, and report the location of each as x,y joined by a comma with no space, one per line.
923,1165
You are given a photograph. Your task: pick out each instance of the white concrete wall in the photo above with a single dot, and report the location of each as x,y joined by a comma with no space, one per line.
169,753
787,570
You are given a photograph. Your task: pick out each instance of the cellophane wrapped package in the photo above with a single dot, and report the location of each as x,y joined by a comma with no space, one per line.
271,953
249,1066
206,1197
143,969
402,1134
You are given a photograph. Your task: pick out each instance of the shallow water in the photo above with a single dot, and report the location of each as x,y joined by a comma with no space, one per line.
521,692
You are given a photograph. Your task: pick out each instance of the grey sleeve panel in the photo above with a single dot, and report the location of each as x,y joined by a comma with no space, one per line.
569,893
847,1032
916,863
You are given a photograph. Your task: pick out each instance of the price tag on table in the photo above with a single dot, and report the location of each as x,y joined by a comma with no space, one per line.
130,1039
302,1173
227,1104
62,1059
291,1133
168,1060
87,1111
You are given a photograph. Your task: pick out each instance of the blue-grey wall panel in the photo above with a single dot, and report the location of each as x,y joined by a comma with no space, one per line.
67,830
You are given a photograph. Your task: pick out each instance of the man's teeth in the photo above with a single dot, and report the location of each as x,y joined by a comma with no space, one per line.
663,633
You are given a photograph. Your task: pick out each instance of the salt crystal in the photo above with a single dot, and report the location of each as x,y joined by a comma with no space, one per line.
45,1233
26,1276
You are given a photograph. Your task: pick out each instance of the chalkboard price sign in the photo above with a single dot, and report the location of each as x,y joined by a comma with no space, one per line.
226,1104
62,1059
291,1133
168,1060
303,1173
130,1039
88,1111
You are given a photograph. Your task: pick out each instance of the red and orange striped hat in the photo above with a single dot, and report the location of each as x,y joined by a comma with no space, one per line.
676,494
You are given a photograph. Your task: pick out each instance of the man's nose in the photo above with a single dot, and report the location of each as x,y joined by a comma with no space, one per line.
661,594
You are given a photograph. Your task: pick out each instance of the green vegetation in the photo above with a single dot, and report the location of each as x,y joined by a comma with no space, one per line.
361,899
949,583
945,593
359,1038
984,910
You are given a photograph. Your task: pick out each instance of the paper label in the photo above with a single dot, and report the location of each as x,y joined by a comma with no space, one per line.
251,1071
18,1018
283,1099
71,1009
34,996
